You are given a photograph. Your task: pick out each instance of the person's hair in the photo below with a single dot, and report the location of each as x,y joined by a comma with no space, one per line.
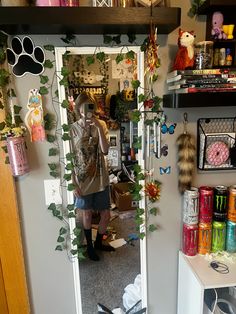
84,97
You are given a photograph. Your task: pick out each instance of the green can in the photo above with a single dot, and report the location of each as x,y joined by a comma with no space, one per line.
218,236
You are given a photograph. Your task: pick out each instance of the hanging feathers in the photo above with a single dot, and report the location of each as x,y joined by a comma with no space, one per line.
186,160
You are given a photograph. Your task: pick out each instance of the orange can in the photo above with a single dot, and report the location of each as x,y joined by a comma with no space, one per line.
204,238
232,203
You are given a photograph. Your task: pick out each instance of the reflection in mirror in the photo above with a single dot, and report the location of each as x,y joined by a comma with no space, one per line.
102,278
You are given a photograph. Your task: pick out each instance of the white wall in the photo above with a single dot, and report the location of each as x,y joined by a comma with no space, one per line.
50,272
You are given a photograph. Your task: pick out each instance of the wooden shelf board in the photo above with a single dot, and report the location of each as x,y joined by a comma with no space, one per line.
87,20
194,100
212,5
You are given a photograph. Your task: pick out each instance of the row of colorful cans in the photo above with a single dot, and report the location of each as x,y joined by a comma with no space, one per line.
204,238
207,203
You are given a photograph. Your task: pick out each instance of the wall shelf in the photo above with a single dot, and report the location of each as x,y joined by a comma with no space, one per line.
87,20
214,99
213,5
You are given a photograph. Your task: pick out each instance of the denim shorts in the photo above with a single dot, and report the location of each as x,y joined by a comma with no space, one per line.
96,201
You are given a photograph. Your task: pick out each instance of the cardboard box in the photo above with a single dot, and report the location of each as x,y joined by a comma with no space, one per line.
122,197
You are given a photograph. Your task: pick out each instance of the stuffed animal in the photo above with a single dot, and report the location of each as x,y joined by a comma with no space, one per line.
217,26
185,55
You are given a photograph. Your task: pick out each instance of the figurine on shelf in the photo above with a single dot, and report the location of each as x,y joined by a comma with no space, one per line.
185,55
217,26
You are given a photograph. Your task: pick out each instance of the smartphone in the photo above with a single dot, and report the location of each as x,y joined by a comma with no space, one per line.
89,110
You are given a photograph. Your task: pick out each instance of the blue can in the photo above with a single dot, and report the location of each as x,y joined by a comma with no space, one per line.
231,236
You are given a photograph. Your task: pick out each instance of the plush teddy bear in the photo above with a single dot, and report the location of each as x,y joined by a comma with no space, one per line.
217,26
185,55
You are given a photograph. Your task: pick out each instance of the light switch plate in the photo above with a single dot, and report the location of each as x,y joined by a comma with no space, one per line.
52,191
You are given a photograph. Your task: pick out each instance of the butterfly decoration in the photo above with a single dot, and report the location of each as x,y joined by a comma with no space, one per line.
164,150
165,170
165,129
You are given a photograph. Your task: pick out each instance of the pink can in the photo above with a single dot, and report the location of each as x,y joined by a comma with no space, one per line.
205,204
190,239
17,155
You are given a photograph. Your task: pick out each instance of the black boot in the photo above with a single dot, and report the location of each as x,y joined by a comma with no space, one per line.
99,246
90,249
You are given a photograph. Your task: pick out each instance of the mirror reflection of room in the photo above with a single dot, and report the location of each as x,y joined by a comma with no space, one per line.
109,237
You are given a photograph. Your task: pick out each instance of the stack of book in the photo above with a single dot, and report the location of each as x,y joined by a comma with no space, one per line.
206,80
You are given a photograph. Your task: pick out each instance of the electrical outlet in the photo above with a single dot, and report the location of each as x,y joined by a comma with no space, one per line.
52,191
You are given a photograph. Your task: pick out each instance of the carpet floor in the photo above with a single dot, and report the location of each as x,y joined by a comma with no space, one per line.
104,281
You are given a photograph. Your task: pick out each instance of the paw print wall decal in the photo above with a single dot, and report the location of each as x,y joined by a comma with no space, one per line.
24,57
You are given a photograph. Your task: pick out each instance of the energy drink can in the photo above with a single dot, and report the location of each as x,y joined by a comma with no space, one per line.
204,238
218,236
232,203
190,239
231,236
220,204
205,204
191,207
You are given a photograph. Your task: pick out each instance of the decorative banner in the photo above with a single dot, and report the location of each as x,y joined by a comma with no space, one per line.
34,117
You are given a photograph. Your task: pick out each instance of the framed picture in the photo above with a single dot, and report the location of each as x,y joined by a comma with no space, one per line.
113,141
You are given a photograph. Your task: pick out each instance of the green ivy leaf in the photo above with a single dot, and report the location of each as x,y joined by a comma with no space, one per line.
119,58
107,39
135,84
139,211
70,156
54,174
138,220
65,127
73,252
62,231
130,55
2,125
17,109
51,138
90,60
52,206
52,166
71,187
135,116
65,71
56,212
52,152
65,137
18,120
116,39
49,122
100,56
67,176
131,37
76,241
59,248
152,228
68,39
141,98
64,82
43,79
65,104
70,207
43,90
4,148
142,235
69,166
77,231
48,64
49,47
60,239
71,215
154,211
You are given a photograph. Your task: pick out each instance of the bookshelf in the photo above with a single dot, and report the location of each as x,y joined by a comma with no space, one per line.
194,100
87,20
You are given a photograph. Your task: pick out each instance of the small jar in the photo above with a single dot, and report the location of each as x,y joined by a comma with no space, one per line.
222,57
204,55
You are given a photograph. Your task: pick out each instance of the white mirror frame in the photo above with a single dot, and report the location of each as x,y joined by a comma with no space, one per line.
59,52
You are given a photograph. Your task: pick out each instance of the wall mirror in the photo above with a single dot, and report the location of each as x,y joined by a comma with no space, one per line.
104,281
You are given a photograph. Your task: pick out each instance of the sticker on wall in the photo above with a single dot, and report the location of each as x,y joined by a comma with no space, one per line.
164,150
89,77
165,170
34,116
165,129
24,57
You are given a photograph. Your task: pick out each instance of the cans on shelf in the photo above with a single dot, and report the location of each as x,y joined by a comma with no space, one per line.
232,203
220,204
218,236
205,204
191,206
204,238
190,239
231,237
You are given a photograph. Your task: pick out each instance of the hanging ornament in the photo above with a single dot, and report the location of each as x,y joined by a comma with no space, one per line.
153,191
34,116
186,158
152,59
